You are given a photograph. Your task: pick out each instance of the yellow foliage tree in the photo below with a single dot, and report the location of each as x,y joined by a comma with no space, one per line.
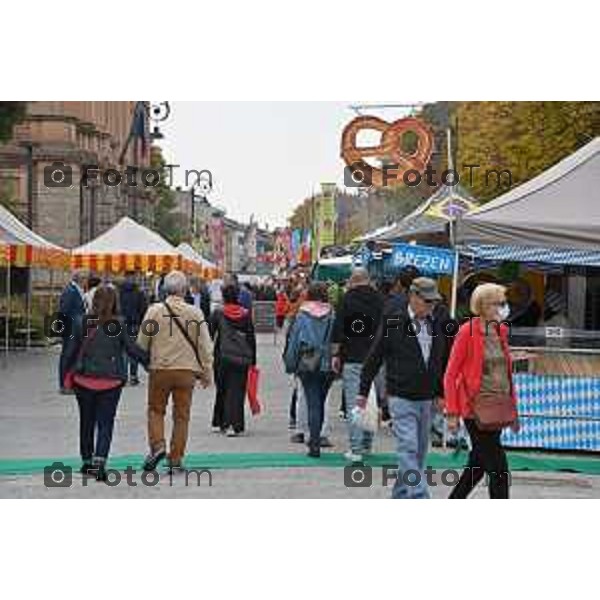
523,138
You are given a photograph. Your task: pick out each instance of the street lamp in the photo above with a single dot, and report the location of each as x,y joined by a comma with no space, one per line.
158,112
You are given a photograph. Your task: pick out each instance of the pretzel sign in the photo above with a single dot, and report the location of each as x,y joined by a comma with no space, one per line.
389,149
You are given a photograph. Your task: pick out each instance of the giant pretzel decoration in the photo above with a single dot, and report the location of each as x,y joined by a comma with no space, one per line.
390,147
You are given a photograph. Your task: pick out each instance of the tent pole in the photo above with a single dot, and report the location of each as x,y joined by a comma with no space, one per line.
28,300
7,320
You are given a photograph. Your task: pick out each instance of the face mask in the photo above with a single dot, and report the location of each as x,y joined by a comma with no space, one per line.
504,311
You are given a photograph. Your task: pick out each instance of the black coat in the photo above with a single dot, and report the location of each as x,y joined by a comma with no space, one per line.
96,353
407,375
363,300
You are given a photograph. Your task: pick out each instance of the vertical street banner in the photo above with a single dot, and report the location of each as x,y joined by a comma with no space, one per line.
326,217
296,248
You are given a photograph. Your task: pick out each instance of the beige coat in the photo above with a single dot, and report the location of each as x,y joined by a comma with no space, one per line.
168,348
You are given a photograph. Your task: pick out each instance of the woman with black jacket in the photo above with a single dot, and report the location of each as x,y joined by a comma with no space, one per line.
234,353
98,371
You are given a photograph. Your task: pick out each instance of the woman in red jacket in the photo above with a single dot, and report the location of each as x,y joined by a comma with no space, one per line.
480,362
282,306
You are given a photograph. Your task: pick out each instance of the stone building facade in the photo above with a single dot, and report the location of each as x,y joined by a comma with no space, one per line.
58,139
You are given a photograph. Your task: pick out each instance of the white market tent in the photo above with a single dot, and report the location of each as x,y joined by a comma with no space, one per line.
190,254
127,246
21,247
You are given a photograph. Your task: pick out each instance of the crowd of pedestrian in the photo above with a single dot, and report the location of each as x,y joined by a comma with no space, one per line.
388,344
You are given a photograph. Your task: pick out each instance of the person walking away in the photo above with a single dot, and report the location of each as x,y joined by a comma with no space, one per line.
308,355
234,352
480,363
204,296
356,322
281,308
297,297
178,340
71,307
133,307
415,355
97,361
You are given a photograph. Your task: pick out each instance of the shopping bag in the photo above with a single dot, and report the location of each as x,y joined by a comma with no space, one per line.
367,418
252,390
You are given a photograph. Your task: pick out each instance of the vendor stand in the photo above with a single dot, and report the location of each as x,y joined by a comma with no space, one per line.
550,226
22,250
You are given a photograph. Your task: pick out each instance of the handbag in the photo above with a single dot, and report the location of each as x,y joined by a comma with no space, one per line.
493,411
252,390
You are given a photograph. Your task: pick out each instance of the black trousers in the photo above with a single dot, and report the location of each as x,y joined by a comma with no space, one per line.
97,412
231,381
487,458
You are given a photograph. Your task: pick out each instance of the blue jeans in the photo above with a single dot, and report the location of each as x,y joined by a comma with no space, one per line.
359,440
97,411
411,424
316,387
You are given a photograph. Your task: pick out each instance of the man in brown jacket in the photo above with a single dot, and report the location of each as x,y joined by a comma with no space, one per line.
177,337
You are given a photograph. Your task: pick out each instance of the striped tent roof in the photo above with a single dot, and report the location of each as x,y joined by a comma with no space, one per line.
529,254
204,267
22,247
128,246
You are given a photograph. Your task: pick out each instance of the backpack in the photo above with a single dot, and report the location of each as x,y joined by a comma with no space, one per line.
312,341
234,346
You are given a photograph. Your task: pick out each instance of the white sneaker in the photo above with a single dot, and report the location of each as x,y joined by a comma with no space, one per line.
353,458
231,433
216,430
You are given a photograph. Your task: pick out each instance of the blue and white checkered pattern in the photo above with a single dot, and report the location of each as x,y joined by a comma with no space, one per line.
528,254
548,400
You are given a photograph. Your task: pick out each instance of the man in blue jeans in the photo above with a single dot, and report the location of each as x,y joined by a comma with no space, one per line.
415,350
356,322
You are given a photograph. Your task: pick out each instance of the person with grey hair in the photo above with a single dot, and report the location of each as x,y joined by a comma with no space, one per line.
177,337
71,307
356,322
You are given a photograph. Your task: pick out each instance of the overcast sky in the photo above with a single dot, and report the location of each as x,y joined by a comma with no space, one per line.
265,157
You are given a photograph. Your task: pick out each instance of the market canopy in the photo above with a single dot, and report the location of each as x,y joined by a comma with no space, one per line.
558,209
204,266
127,246
22,247
432,216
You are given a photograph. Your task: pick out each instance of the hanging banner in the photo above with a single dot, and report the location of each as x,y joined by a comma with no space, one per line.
326,217
429,261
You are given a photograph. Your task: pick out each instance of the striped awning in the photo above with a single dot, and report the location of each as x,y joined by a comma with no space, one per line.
123,263
22,247
23,255
528,254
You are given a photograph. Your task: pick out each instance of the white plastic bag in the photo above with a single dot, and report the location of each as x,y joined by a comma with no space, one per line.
367,418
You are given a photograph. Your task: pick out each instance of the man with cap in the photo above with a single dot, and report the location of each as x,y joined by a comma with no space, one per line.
415,351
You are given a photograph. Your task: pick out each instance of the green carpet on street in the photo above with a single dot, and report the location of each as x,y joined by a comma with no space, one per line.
519,461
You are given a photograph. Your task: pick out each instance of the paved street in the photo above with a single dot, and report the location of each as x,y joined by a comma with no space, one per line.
37,423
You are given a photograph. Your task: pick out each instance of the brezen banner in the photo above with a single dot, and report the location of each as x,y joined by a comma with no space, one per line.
429,261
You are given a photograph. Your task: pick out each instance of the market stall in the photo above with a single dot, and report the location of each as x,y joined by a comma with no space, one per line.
200,265
22,250
128,247
550,227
